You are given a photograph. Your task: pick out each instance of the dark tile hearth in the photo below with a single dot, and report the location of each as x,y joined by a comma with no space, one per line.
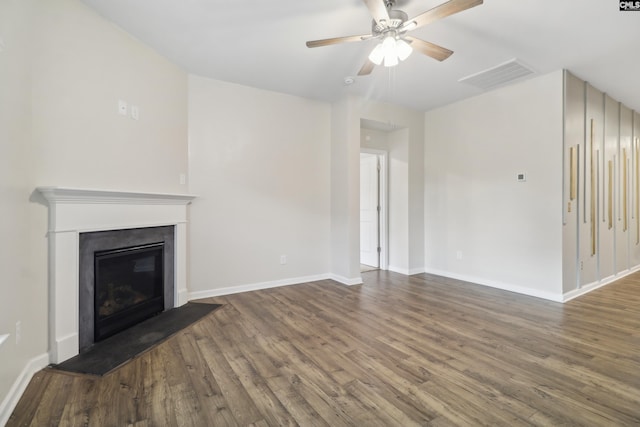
107,355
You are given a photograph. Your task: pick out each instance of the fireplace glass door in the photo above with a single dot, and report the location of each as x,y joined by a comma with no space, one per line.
128,287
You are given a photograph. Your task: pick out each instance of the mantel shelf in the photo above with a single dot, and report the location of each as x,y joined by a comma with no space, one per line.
57,195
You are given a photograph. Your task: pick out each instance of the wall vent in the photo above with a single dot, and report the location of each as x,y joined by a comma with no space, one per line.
498,75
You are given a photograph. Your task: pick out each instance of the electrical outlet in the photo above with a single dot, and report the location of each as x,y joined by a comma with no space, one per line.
135,112
18,332
459,255
283,259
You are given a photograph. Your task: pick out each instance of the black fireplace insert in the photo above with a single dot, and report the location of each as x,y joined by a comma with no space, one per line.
129,287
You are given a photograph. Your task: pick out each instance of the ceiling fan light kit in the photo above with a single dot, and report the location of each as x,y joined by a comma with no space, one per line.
390,51
391,25
390,60
403,49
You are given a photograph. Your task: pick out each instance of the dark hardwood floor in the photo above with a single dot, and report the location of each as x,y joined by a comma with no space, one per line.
396,351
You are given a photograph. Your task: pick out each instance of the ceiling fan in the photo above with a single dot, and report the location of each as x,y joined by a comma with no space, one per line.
391,27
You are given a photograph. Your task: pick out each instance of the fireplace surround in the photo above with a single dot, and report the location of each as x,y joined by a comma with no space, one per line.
73,212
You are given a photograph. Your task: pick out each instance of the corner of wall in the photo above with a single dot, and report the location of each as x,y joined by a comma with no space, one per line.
346,281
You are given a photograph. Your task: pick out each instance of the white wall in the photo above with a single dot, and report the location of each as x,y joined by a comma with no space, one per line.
374,139
345,189
66,68
17,289
259,162
83,65
399,199
508,233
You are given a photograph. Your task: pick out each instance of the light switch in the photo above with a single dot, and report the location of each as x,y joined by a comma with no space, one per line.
122,107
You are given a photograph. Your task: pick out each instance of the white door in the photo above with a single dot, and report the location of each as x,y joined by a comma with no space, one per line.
369,210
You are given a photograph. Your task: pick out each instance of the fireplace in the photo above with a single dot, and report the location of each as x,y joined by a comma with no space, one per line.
125,277
129,284
77,213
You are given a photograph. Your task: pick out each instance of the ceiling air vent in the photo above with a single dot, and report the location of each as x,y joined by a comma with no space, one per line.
498,75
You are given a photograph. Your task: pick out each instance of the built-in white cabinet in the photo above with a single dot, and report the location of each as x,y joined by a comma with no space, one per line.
601,217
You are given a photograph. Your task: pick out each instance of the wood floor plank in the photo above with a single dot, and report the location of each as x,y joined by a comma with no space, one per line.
211,402
397,350
156,395
318,386
79,410
38,388
240,403
52,405
401,393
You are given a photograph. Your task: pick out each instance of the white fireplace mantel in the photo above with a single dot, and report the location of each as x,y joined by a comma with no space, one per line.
73,211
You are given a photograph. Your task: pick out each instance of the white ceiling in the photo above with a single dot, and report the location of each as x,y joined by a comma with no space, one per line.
262,44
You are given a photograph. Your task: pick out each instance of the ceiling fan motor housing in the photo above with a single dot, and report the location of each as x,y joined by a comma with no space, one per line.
396,19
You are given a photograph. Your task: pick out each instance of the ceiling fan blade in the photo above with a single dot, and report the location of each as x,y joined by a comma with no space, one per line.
378,10
336,40
439,12
429,49
367,68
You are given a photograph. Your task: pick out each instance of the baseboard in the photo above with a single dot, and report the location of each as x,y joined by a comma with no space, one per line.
398,269
65,348
256,286
405,271
345,280
183,297
19,386
498,285
568,296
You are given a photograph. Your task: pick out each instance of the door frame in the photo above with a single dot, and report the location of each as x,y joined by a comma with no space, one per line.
383,197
